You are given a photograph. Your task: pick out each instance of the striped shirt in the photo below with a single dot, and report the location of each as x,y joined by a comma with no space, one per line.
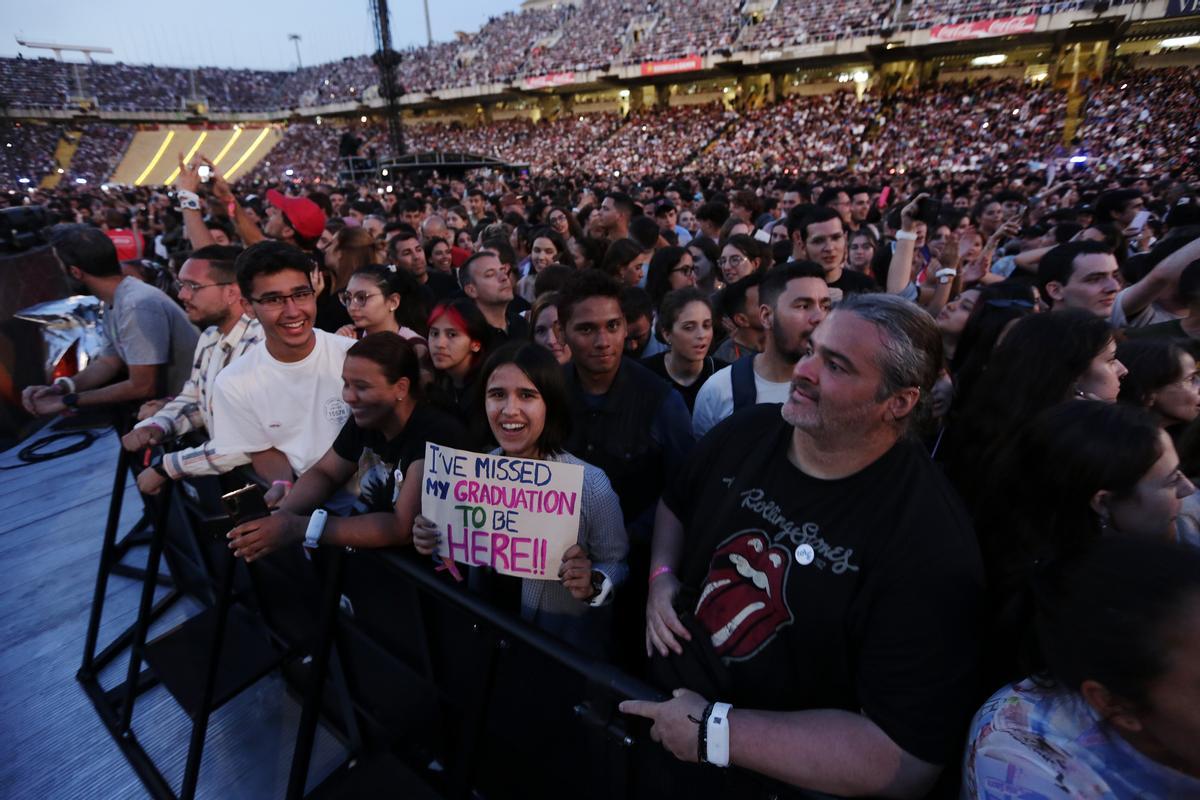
191,409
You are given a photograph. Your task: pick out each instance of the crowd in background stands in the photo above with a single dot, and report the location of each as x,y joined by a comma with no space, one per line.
652,142
593,35
802,21
806,132
964,126
1145,121
681,29
1136,121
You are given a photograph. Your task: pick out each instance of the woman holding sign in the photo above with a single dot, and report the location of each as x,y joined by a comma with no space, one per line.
525,400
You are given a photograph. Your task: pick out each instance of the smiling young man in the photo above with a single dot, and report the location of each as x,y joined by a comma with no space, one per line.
281,402
212,300
832,577
383,441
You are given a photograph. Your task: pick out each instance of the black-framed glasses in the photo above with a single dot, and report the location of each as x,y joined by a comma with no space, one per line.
279,300
687,271
348,298
194,287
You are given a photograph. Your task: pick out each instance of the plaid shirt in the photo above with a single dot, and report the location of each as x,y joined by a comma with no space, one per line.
191,409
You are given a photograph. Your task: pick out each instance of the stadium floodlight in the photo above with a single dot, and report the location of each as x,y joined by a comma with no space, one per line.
363,118
1180,41
989,61
384,173
623,93
860,76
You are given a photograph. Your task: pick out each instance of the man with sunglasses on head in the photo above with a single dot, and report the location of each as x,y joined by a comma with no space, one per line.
281,403
212,300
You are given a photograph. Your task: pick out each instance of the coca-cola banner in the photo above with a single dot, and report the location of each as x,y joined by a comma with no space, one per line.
983,28
547,81
673,65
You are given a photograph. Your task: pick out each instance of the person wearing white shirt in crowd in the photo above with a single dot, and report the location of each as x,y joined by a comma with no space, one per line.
281,403
211,298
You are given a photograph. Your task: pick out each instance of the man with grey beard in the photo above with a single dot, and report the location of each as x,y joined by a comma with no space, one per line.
815,586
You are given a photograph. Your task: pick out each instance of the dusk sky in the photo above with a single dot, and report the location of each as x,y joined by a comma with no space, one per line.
231,33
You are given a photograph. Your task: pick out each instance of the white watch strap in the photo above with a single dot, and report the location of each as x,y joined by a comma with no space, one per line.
602,596
717,741
905,236
316,526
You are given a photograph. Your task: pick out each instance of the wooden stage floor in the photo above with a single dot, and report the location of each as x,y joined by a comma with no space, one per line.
52,744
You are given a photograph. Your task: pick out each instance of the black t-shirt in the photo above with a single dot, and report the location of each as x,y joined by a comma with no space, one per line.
380,459
331,314
860,594
442,287
852,282
518,327
657,364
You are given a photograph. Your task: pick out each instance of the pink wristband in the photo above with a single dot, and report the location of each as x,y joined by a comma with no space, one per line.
663,570
285,484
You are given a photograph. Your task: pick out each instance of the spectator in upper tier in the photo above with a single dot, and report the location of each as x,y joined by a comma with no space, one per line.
284,432
1111,710
149,337
801,608
210,295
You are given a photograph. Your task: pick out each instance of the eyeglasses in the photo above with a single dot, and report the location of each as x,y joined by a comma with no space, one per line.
278,300
731,261
194,287
687,271
349,299
1011,302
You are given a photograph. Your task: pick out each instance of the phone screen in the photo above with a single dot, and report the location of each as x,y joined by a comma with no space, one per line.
245,504
205,173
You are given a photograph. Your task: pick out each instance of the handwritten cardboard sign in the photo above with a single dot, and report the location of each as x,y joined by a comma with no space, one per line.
515,515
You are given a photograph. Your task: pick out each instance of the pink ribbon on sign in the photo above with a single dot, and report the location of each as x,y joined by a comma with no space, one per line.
448,564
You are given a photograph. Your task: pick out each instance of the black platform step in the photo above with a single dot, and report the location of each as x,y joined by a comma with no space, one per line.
372,777
179,657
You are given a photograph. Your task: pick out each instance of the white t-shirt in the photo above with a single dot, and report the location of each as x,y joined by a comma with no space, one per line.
715,399
297,408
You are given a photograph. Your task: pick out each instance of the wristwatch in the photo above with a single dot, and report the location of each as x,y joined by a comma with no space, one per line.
316,526
71,401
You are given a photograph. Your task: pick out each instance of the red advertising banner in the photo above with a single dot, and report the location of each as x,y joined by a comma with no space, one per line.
551,79
686,64
983,29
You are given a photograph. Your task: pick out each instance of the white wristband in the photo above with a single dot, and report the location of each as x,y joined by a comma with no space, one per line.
717,738
67,382
905,236
316,526
188,201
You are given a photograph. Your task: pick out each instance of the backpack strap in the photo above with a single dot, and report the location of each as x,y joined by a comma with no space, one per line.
741,376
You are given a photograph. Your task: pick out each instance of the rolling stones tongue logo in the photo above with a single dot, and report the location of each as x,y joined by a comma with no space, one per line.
743,604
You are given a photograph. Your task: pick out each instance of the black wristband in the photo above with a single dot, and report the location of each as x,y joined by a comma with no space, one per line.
702,734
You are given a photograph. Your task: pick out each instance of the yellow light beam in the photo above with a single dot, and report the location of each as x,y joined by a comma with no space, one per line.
187,159
225,149
245,155
154,161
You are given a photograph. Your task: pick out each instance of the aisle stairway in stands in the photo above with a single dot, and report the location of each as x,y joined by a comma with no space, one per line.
64,151
153,157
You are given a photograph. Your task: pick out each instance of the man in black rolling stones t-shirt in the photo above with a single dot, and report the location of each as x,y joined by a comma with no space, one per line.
813,569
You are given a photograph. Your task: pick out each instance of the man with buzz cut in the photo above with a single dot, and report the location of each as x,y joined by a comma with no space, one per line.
281,403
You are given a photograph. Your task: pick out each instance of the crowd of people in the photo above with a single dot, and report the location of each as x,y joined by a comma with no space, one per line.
887,454
594,34
1134,121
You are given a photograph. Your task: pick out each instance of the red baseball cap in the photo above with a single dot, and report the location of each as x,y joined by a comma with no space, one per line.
305,217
